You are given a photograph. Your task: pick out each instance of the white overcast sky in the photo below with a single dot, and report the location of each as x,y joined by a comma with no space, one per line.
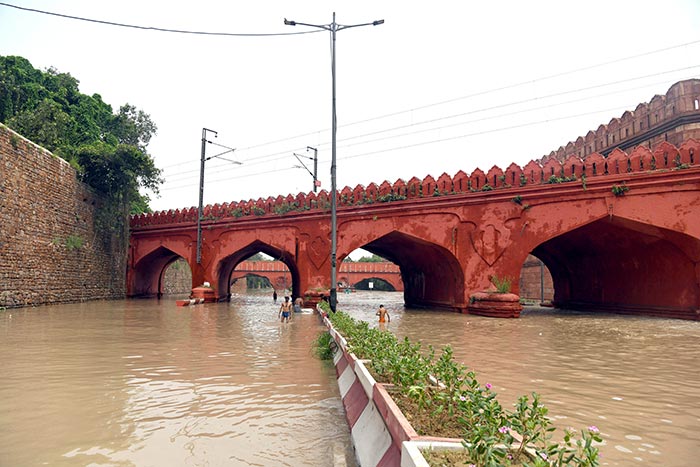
442,86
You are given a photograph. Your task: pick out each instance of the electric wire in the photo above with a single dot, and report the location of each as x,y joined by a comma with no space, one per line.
153,28
285,153
482,93
418,144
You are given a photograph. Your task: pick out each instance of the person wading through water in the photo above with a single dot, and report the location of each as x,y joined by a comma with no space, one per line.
285,310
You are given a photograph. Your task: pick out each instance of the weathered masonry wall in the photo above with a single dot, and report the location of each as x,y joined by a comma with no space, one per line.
177,279
52,248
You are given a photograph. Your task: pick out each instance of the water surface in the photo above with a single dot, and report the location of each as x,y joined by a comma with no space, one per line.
147,383
635,378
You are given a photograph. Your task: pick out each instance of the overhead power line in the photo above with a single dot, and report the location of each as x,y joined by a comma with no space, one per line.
483,93
283,154
407,146
153,28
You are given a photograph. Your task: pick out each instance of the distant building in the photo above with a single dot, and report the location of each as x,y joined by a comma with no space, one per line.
673,117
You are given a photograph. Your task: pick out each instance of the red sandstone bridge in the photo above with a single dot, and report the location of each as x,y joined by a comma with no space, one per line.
349,274
619,233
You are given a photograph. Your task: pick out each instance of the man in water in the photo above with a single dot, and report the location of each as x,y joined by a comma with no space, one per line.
383,314
298,304
285,310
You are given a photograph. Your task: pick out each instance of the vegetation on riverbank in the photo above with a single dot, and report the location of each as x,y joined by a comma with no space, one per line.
441,397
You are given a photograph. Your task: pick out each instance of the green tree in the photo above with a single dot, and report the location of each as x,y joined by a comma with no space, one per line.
109,150
118,172
371,259
46,124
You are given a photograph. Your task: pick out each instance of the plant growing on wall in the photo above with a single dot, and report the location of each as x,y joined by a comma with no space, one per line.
390,197
620,190
502,284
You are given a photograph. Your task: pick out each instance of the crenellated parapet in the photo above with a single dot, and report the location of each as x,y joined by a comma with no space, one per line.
672,117
664,156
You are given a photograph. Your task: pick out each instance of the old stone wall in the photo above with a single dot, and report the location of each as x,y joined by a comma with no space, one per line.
673,117
58,241
177,279
536,281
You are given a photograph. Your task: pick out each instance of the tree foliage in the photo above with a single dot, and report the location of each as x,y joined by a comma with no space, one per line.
371,259
108,149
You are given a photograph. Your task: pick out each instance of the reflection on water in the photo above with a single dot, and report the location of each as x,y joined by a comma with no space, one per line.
147,383
635,378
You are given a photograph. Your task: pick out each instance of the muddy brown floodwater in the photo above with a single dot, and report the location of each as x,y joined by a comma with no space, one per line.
147,383
636,379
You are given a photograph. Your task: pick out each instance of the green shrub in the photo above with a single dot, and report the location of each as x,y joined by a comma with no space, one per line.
448,391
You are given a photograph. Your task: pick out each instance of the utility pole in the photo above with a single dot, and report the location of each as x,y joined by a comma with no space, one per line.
201,183
316,182
201,192
303,166
333,28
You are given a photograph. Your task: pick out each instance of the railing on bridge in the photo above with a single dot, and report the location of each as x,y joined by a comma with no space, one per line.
664,156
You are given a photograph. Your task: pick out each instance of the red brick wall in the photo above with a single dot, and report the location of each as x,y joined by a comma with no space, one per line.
52,249
682,100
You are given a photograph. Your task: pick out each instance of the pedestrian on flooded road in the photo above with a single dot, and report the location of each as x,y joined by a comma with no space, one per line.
383,314
274,295
285,311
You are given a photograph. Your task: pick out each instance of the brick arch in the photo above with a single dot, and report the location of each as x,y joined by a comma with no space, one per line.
614,260
431,275
277,280
388,280
226,267
146,276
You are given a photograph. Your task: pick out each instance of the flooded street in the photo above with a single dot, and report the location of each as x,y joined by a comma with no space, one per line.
147,383
634,378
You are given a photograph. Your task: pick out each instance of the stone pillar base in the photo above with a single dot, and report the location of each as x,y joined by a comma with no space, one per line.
314,297
205,293
496,305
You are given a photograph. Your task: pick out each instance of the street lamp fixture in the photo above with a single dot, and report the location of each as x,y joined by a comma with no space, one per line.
333,28
201,182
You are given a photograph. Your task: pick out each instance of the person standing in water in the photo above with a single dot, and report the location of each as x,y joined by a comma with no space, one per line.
383,314
274,295
298,303
285,310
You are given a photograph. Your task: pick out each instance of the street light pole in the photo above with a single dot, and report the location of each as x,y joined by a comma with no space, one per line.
333,28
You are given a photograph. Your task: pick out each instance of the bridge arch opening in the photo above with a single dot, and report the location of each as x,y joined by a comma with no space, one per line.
363,270
624,266
374,283
431,275
155,274
286,279
243,280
